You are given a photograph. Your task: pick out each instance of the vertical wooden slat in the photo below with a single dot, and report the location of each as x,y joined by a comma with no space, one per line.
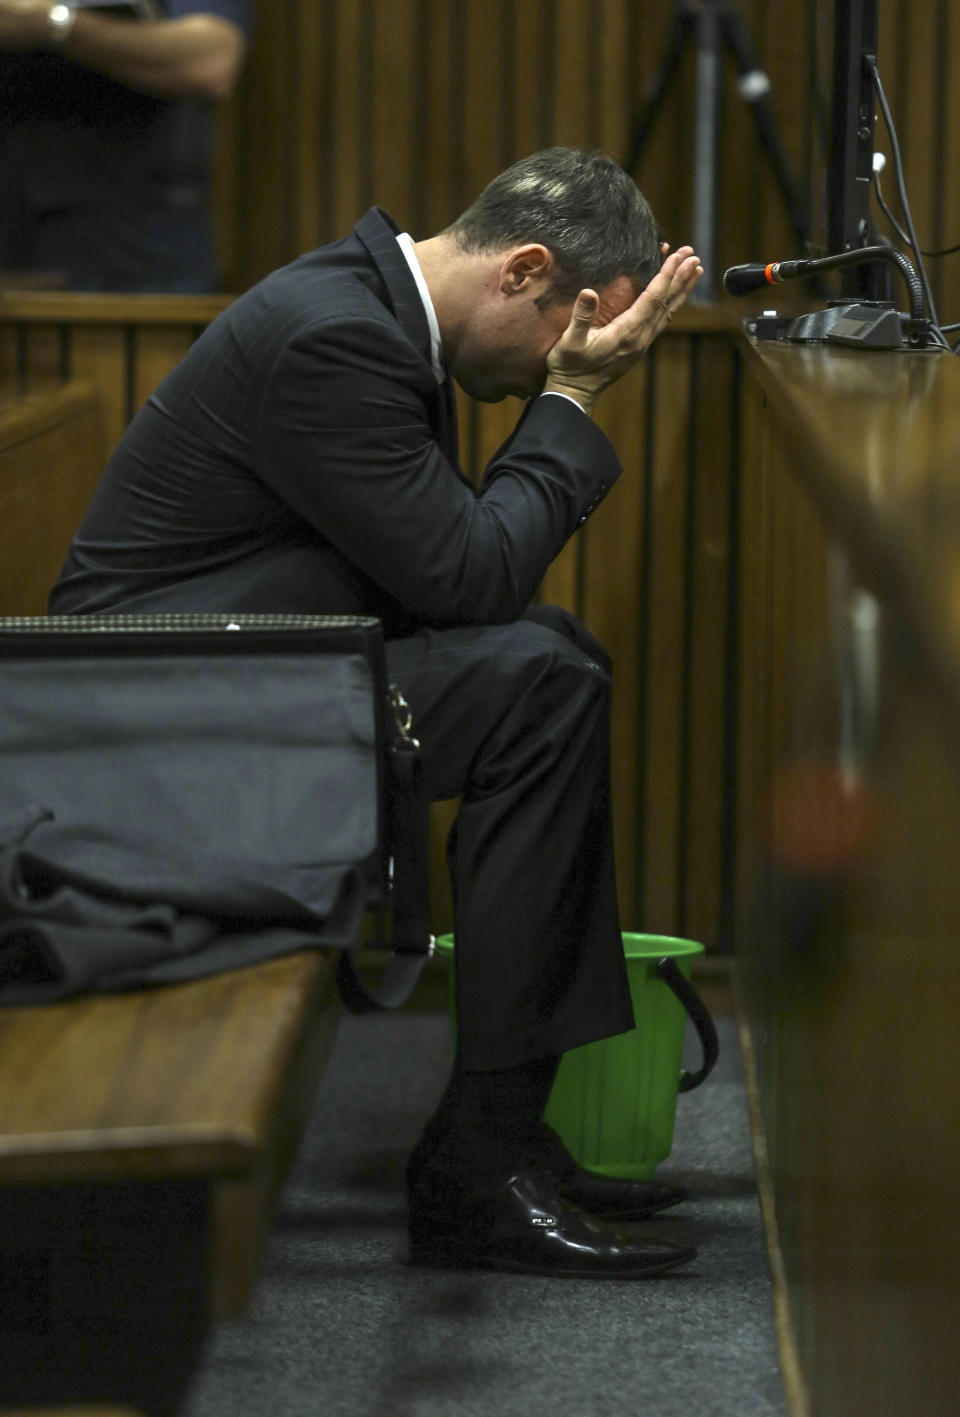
613,538
438,83
348,95
390,92
562,579
546,54
11,383
614,93
99,353
43,353
664,687
916,118
305,120
482,86
494,424
706,688
528,77
665,168
755,561
571,98
784,52
155,351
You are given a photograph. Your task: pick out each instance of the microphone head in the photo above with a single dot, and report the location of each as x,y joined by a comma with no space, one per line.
743,280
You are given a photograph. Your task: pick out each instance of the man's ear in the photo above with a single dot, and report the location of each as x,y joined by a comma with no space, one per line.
526,269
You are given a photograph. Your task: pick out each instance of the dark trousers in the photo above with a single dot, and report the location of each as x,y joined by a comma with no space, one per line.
516,719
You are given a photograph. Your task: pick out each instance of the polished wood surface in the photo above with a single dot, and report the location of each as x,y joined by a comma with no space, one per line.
848,833
181,1080
880,436
143,1140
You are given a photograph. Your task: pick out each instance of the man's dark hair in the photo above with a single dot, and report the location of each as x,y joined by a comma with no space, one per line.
581,205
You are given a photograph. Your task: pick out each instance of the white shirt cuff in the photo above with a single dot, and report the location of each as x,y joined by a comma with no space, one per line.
555,394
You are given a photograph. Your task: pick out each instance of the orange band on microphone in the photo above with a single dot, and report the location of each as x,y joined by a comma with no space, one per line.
771,278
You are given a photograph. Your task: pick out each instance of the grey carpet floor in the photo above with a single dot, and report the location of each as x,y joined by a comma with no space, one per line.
342,1326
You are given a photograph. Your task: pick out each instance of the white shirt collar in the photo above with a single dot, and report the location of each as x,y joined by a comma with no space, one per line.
405,242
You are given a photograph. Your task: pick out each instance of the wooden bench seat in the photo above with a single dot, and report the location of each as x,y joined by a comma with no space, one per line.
143,1138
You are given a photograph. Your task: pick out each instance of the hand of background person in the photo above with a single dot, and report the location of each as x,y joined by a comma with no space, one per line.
195,55
24,23
587,358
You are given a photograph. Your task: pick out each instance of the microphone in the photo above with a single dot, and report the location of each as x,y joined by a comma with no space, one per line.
742,280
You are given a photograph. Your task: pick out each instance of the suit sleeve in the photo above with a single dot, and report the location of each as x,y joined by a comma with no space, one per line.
345,439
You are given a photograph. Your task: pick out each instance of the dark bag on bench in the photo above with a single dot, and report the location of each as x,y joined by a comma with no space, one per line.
182,794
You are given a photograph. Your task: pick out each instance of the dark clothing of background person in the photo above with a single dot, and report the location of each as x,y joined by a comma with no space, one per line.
107,188
303,458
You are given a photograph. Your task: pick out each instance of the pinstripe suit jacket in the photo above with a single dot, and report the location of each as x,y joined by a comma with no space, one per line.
302,457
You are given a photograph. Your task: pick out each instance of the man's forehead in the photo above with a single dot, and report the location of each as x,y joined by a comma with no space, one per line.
616,297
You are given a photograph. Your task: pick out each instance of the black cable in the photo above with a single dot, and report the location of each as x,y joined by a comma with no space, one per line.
947,250
902,189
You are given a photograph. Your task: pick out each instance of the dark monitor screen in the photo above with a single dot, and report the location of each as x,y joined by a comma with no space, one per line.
841,142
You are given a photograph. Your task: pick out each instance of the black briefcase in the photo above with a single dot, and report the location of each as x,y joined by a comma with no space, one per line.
185,793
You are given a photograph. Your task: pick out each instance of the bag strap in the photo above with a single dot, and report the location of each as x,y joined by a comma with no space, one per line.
408,837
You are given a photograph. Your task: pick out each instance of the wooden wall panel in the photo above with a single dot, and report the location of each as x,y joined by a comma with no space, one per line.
610,604
122,345
704,839
665,594
51,452
417,103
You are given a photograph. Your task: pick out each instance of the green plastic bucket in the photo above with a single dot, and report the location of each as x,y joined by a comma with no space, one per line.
614,1102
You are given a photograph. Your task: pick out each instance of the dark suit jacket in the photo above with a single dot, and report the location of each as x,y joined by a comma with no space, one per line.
303,458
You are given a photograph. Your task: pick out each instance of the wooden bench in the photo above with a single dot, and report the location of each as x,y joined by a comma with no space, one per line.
143,1137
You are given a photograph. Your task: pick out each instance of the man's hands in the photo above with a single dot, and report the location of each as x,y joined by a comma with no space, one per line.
586,357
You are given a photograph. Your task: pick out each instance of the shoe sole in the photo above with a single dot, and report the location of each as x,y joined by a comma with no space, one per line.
447,1259
626,1216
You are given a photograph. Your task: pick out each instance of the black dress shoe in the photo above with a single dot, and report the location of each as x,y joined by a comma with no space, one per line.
608,1197
527,1227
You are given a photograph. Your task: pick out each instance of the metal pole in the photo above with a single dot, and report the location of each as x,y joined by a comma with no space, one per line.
705,148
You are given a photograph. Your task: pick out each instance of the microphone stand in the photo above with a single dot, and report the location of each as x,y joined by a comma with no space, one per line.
712,26
865,324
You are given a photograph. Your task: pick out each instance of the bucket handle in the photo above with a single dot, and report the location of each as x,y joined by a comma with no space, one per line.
669,971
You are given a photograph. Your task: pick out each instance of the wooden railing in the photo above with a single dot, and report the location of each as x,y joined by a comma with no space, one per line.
122,345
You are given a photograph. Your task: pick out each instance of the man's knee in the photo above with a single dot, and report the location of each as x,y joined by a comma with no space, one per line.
550,670
564,623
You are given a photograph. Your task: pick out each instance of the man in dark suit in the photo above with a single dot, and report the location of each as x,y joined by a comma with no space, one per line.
303,457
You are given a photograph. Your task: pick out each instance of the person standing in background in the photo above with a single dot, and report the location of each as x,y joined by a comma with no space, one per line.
105,142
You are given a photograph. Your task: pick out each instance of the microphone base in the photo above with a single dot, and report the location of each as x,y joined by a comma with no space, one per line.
862,324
